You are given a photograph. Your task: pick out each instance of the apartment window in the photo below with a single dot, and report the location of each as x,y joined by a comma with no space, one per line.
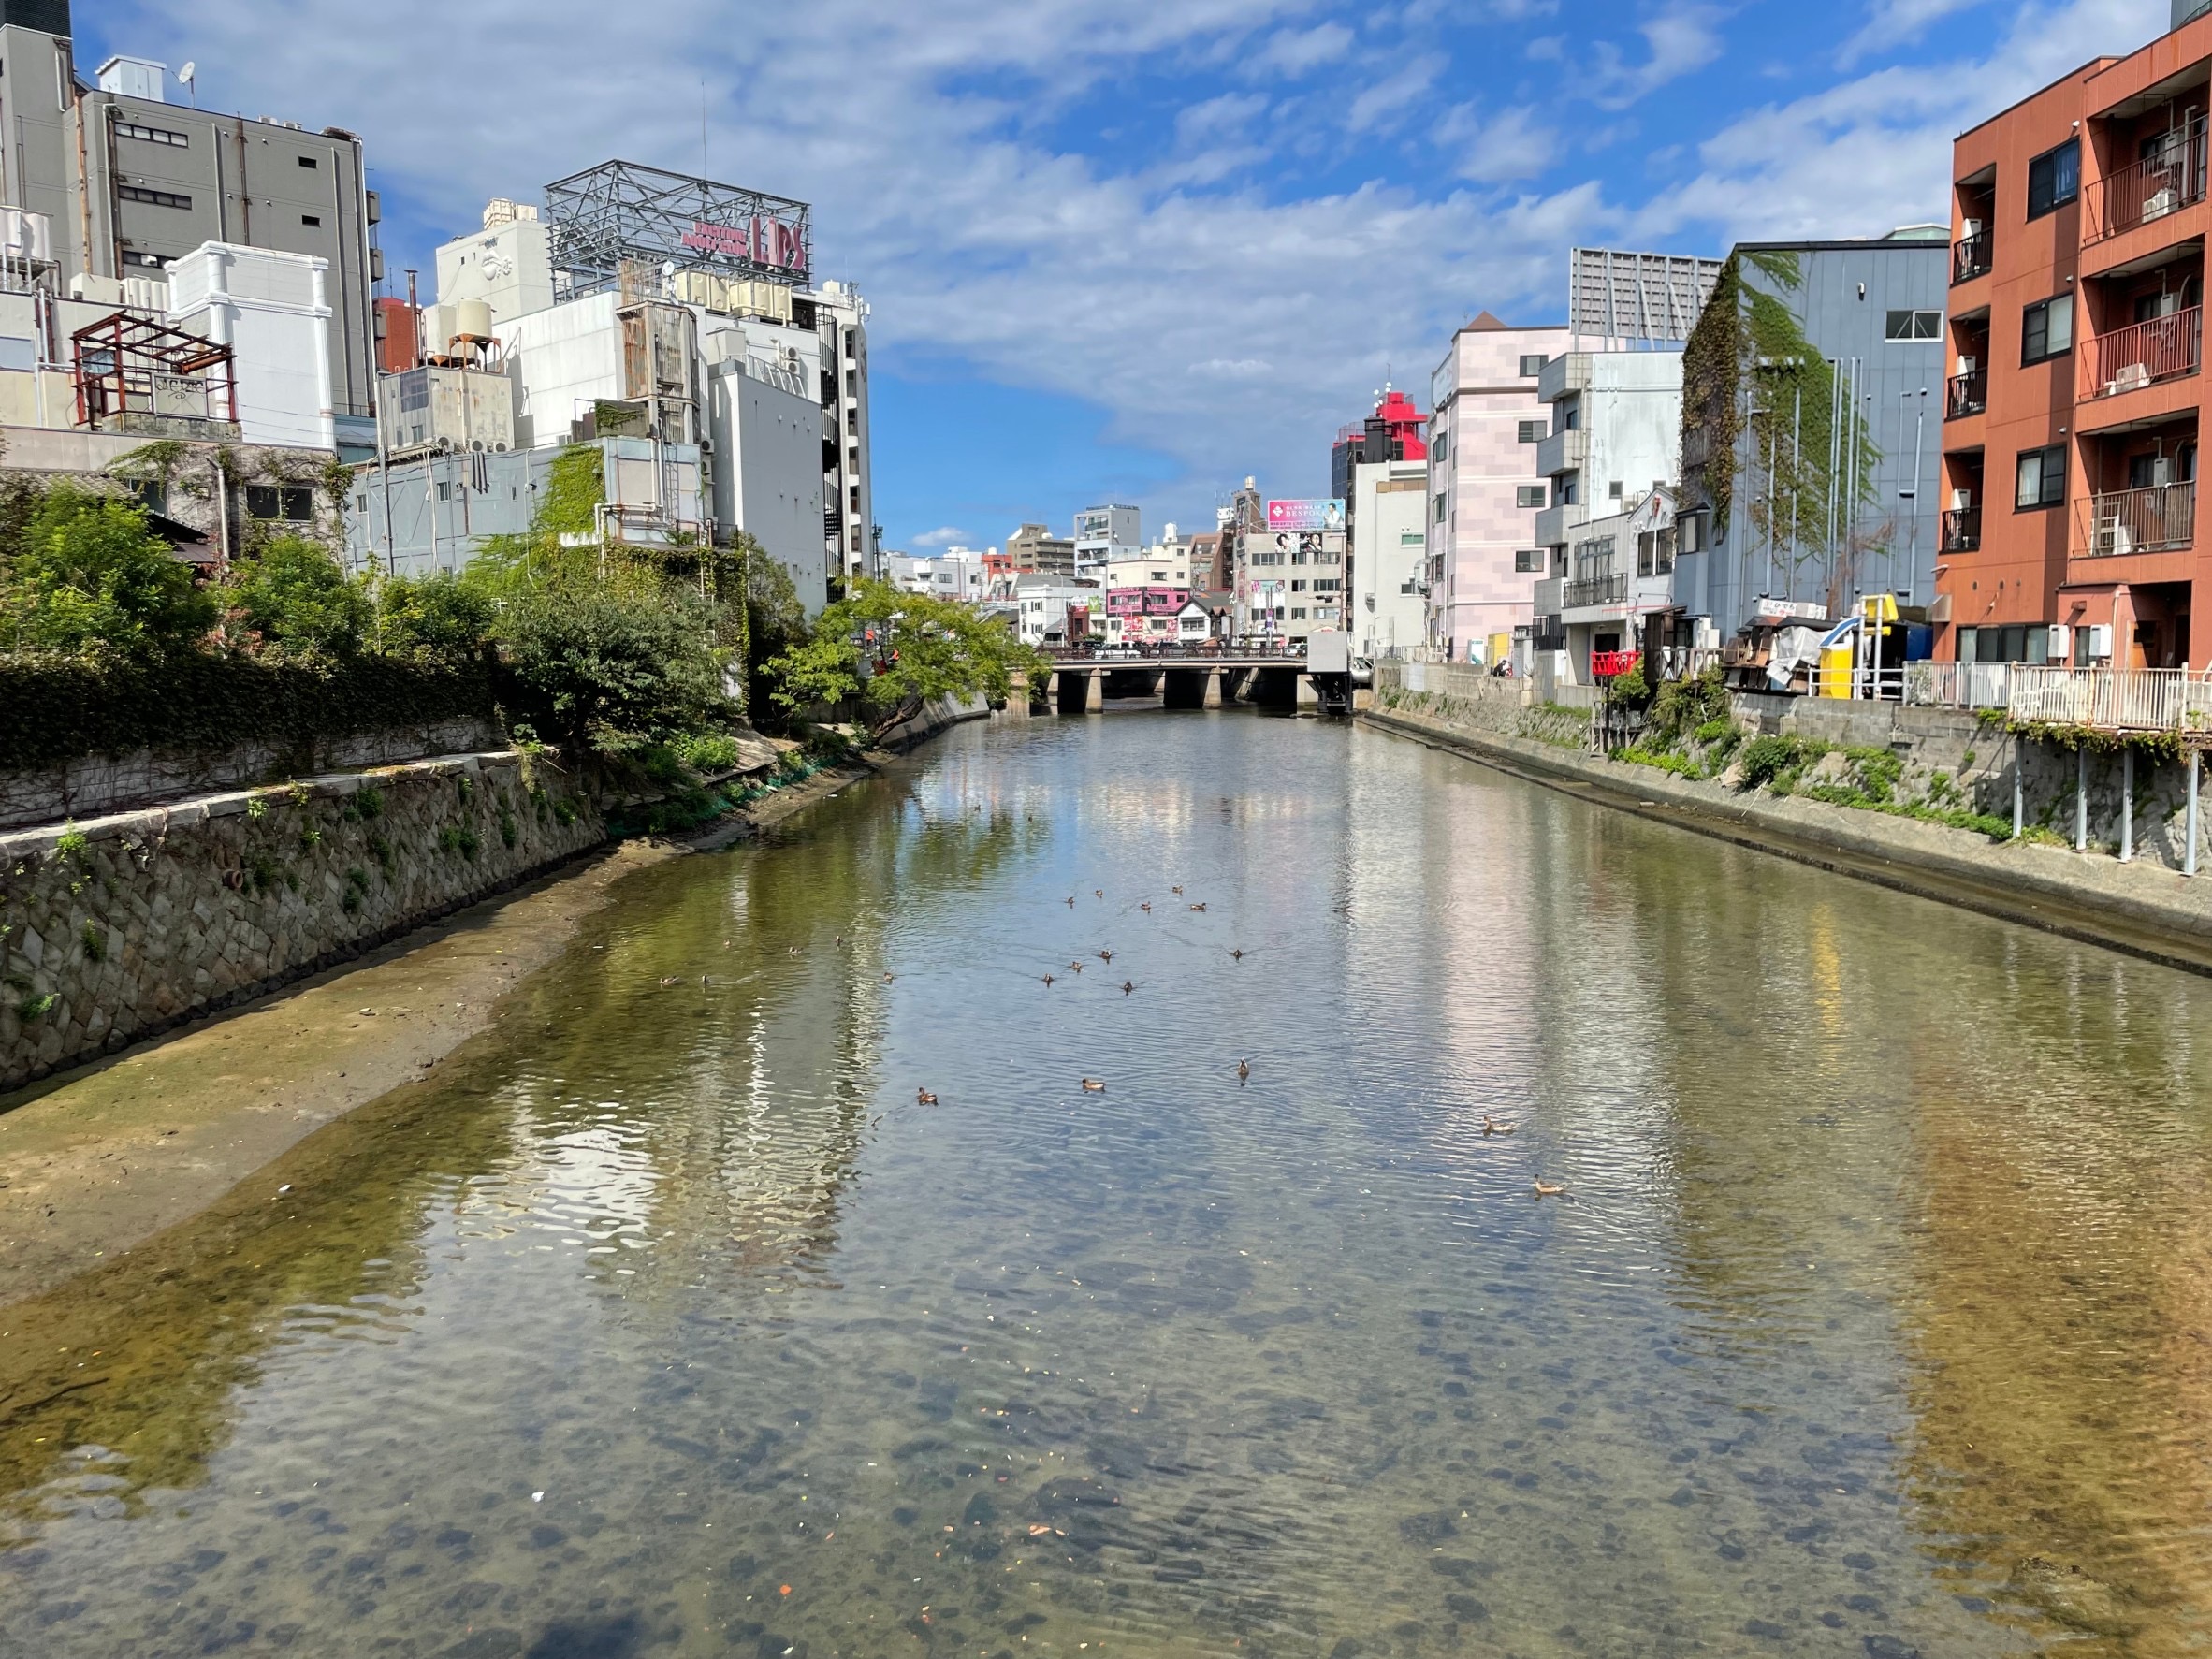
1436,510
1654,552
146,261
307,161
1528,495
1915,325
1298,613
1689,533
152,134
1297,586
1436,448
2047,329
2040,477
2019,642
1411,538
1531,431
2054,178
1532,365
1328,585
315,220
1528,559
1571,490
160,198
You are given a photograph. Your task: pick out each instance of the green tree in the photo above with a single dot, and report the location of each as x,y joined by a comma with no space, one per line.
618,667
775,623
293,596
435,621
86,572
922,648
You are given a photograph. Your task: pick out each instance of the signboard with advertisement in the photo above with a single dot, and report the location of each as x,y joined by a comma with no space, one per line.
1320,512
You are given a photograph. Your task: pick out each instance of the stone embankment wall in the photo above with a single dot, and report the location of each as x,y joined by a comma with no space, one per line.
92,785
116,927
1948,757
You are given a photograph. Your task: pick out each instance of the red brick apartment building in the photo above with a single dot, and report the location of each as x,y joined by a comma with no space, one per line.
2077,318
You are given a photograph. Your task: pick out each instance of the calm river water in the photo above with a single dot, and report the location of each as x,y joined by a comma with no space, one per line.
665,1321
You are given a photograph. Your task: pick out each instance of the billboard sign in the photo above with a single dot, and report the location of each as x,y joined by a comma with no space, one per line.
1325,513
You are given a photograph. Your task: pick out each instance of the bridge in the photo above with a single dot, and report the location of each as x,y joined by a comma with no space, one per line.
1081,680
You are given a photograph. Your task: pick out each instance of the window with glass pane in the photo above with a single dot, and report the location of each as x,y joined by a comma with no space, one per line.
2041,480
2047,329
2054,178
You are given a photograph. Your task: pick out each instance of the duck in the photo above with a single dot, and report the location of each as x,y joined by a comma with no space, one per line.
794,949
1236,955
1094,1085
667,981
1547,1190
1074,968
1490,1125
1176,891
1048,979
1071,901
1243,1069
1105,955
923,1097
889,977
1127,986
1146,907
1198,906
1098,893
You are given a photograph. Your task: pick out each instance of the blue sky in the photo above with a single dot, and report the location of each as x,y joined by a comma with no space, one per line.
1137,252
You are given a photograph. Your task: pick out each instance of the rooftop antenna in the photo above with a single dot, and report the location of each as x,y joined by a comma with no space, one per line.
703,127
185,77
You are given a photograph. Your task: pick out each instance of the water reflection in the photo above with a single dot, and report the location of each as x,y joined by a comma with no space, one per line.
667,1320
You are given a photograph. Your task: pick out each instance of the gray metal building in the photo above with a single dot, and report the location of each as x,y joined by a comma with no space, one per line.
1835,409
129,180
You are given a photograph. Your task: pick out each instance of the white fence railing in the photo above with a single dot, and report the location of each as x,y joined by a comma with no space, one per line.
2113,699
1957,685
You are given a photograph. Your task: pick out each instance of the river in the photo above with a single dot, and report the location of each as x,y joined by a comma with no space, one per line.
666,1319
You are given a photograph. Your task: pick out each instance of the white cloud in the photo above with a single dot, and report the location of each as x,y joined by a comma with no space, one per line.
1683,37
1233,369
1894,24
1295,50
1512,144
945,535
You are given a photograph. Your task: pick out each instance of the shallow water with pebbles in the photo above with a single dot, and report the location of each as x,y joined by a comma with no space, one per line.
666,1319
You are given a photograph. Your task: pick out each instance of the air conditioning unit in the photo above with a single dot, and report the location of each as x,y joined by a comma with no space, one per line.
2112,539
2061,644
1961,500
2131,378
1968,365
2160,203
1969,229
2097,642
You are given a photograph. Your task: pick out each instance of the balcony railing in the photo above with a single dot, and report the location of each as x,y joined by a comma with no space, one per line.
1612,590
1966,394
2157,519
1962,530
2142,353
2148,189
1970,256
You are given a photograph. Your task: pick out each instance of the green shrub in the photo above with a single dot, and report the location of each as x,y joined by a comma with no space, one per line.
96,943
311,838
508,833
369,801
1766,759
437,621
36,1007
86,572
291,598
616,671
1716,729
707,752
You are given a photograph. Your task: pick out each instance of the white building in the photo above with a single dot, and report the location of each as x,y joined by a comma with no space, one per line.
1104,535
956,574
1618,570
1390,550
1042,603
841,320
508,264
1616,431
767,480
273,311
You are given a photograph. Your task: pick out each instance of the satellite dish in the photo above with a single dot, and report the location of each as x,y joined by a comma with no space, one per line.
186,76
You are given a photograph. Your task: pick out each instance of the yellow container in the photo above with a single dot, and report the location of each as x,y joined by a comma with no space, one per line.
1835,670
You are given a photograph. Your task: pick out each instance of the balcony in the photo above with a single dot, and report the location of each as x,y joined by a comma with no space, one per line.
1563,451
1966,394
1969,257
1962,530
2142,353
1589,590
2157,519
2147,190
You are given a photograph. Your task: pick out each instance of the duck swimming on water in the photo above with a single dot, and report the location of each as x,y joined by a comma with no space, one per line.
923,1097
1094,1085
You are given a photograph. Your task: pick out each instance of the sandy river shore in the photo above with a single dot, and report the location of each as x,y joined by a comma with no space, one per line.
98,1161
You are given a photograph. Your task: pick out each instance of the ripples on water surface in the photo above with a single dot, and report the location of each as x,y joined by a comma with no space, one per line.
665,1321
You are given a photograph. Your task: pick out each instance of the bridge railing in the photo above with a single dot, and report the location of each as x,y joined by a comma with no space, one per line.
1137,656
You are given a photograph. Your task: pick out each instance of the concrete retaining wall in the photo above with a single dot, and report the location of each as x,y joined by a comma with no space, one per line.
115,927
93,785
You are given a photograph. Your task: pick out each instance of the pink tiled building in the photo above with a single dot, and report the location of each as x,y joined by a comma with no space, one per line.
1484,489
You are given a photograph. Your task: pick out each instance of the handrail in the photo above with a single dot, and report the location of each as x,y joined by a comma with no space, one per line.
1962,530
2158,518
1608,590
2148,189
1966,394
2142,353
1969,257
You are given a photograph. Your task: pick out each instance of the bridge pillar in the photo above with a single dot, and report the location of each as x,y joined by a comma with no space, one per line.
1018,694
1213,694
1094,696
1307,696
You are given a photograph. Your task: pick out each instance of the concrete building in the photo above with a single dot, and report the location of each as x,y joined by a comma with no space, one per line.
273,311
1485,489
1043,605
766,431
2074,398
1388,556
1103,534
853,537
1615,434
1616,575
129,183
1809,462
1034,548
956,574
508,264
